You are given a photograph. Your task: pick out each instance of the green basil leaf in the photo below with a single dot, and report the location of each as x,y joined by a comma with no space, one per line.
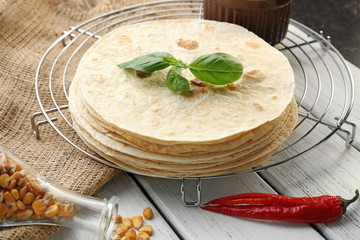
175,62
217,68
176,82
171,60
148,63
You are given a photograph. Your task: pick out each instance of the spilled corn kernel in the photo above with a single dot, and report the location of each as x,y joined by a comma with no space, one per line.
137,221
147,229
147,213
121,229
130,234
142,236
127,222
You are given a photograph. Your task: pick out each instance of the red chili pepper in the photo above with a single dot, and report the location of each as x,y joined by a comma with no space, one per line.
321,209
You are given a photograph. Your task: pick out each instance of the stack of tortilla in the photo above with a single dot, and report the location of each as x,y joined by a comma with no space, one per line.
133,120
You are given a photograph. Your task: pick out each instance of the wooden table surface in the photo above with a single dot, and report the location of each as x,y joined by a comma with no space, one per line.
330,168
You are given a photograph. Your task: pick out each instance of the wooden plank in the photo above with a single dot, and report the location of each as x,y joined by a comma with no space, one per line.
132,203
194,223
328,169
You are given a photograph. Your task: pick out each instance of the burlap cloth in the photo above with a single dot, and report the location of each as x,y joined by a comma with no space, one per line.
27,29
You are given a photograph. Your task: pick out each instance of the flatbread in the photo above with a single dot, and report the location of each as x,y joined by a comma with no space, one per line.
136,122
146,109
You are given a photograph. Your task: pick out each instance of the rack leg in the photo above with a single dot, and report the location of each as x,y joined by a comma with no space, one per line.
198,192
35,125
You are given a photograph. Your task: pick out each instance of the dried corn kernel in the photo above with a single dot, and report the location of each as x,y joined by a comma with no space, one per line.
35,188
50,198
17,166
147,229
34,216
130,234
21,182
20,205
61,209
127,222
39,206
15,176
120,229
23,173
28,198
40,196
3,209
2,168
137,221
69,210
11,211
12,184
148,213
15,193
22,192
9,199
118,219
51,211
4,180
25,214
142,236
115,236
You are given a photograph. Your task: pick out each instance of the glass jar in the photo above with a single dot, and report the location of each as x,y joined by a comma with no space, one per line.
269,19
27,198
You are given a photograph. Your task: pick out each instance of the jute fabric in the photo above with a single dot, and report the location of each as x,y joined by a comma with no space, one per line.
27,29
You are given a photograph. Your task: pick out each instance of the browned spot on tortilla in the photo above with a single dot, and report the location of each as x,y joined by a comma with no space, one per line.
127,95
253,72
258,106
142,74
89,91
274,97
253,45
198,88
254,75
198,136
197,82
94,59
217,48
171,133
123,39
156,110
155,120
188,44
188,126
234,87
101,76
134,102
209,27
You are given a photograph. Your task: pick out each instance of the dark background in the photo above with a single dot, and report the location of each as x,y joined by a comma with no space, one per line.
340,19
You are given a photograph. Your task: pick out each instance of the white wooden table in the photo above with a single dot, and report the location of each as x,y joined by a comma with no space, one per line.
330,169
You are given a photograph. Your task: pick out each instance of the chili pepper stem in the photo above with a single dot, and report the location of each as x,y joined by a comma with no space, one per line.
346,202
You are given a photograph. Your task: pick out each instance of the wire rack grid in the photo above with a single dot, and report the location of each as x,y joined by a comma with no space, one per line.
321,74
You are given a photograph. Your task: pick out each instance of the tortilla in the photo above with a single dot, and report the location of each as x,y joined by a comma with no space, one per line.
136,122
146,109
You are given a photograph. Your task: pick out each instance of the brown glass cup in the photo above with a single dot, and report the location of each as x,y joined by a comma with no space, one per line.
269,19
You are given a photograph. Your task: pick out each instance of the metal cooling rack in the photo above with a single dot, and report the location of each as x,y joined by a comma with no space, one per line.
320,72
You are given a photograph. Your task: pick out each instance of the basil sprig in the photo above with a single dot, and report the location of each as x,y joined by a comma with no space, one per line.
217,68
